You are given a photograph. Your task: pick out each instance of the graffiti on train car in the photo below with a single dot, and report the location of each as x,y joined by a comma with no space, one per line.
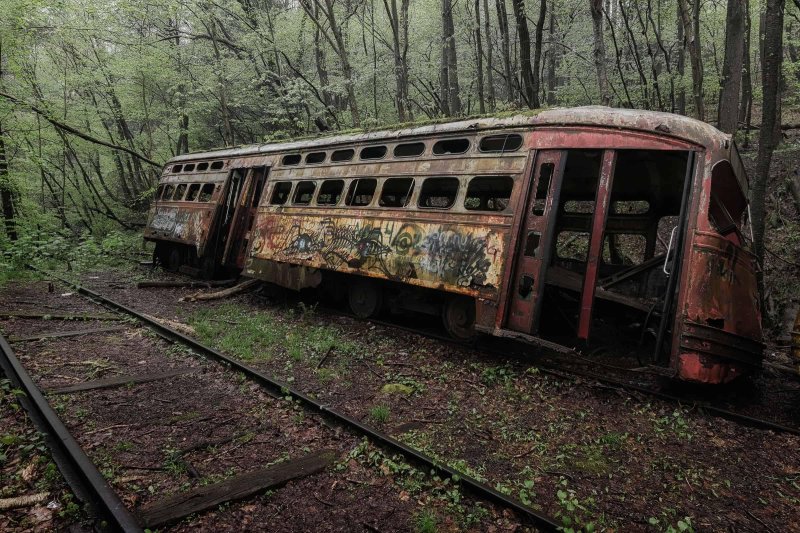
435,253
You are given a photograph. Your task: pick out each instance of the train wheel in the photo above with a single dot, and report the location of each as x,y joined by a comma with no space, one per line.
174,259
458,316
365,298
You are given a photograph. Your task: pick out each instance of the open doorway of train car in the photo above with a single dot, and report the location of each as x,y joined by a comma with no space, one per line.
609,219
240,214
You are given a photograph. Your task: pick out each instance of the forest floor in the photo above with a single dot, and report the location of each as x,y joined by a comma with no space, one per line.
573,448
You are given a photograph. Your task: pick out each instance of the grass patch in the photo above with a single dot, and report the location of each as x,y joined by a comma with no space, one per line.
379,413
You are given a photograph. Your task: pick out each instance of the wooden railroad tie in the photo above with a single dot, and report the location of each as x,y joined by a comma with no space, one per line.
175,507
117,382
62,334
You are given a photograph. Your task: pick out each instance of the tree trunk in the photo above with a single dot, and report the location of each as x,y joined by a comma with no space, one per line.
450,59
505,47
489,58
769,136
6,191
731,81
479,58
691,28
747,82
552,60
600,51
680,100
537,53
528,91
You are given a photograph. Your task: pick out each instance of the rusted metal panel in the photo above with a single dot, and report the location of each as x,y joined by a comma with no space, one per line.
460,258
187,224
721,322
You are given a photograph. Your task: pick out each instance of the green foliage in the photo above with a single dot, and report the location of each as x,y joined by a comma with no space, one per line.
379,413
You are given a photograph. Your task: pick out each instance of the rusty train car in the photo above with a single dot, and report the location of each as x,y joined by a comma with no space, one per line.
565,227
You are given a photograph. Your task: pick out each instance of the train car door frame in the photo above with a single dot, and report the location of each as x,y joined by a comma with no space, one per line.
533,248
238,234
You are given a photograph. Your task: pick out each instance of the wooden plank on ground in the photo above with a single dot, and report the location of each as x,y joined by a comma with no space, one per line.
61,334
117,382
175,507
58,316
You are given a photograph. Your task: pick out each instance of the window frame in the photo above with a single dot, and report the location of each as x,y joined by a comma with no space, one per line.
422,192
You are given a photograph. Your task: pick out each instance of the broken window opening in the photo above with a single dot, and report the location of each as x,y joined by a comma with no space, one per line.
361,192
396,192
489,193
329,192
304,192
438,193
280,192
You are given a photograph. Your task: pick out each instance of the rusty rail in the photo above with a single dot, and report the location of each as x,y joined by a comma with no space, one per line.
79,471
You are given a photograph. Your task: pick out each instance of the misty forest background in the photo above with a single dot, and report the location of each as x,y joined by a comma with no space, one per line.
96,96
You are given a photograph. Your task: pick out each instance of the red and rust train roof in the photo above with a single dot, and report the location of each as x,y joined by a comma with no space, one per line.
678,126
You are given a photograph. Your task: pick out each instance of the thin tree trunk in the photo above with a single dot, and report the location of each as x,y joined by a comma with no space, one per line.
745,110
552,60
691,28
505,47
449,54
769,135
537,53
600,51
731,81
489,58
479,58
528,91
680,100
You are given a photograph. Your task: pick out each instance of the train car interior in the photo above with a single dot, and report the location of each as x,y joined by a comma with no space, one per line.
631,265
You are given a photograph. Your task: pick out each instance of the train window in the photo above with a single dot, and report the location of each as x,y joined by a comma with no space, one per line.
159,193
409,149
438,193
168,190
194,188
342,155
633,207
206,193
532,243
216,165
451,146
202,166
573,245
188,168
373,152
542,188
304,192
624,249
177,168
510,142
315,158
291,159
179,191
396,192
280,192
361,192
329,192
489,193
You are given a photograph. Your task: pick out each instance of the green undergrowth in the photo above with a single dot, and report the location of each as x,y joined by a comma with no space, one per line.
263,336
113,251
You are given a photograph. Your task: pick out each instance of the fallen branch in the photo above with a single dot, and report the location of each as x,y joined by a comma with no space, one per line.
58,316
178,326
237,289
183,284
22,501
77,133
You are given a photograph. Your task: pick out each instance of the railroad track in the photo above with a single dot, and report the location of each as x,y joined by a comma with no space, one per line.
90,485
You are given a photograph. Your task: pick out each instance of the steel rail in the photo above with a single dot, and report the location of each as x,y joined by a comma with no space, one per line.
79,471
709,408
280,389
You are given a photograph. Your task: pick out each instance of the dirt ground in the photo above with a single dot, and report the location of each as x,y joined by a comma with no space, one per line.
208,424
573,448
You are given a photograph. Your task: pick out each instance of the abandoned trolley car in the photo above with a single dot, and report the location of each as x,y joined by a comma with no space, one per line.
568,226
